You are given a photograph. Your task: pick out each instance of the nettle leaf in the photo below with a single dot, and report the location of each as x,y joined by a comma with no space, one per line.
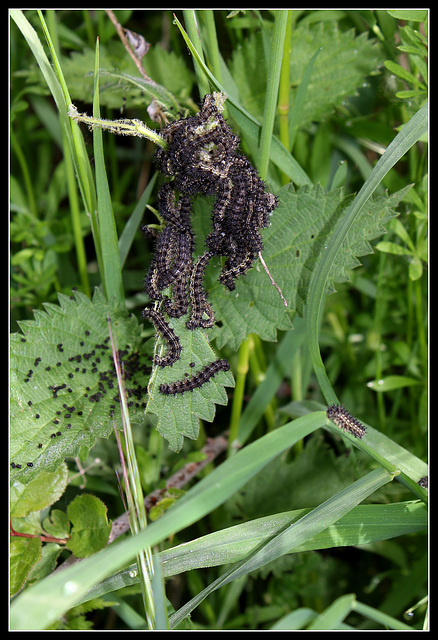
63,387
344,62
179,414
169,78
340,70
301,228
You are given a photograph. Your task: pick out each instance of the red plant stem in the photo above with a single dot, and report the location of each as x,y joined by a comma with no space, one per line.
43,538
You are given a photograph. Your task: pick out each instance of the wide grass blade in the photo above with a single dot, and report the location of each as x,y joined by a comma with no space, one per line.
364,524
293,535
42,604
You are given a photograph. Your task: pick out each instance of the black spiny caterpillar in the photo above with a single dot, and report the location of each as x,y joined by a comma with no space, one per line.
198,296
340,416
169,336
172,262
195,381
201,157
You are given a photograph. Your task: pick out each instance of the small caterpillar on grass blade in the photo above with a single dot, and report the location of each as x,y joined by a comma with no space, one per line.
340,416
195,381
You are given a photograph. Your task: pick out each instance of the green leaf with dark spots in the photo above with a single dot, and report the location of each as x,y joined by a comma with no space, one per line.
64,390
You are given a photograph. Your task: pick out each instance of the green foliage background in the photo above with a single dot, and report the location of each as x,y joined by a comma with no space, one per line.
353,78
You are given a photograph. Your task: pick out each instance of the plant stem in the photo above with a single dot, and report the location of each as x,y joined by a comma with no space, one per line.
236,409
121,34
284,88
194,35
134,491
134,128
277,47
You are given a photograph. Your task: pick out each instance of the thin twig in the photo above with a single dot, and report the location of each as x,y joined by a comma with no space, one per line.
274,284
20,534
123,38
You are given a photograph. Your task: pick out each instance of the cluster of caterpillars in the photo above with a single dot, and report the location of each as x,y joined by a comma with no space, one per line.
201,157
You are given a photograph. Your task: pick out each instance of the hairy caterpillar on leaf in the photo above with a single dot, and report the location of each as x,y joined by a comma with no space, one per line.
195,381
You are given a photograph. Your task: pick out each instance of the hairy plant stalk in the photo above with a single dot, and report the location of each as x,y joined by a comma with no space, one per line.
122,127
134,492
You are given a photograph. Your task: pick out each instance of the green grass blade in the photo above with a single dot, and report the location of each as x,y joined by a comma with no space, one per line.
190,19
365,524
132,225
391,456
408,136
43,603
158,587
307,619
211,42
81,255
334,615
273,79
109,248
76,141
58,88
294,535
250,126
295,621
379,616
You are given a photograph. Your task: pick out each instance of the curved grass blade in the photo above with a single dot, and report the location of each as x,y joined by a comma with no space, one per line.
58,88
408,136
364,524
293,535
